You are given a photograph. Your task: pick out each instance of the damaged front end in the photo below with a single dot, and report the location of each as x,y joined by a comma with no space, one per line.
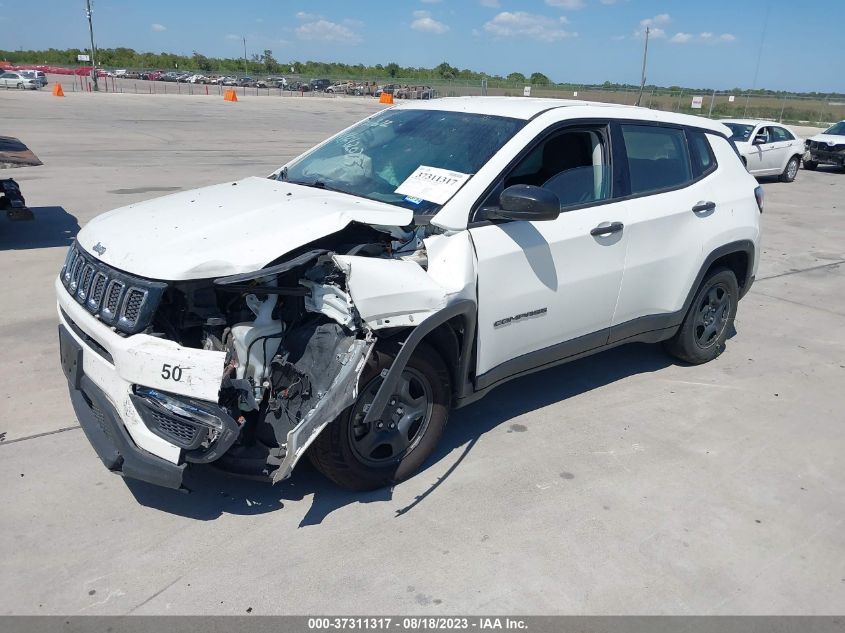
296,337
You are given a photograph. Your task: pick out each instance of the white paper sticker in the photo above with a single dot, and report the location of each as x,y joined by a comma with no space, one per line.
433,184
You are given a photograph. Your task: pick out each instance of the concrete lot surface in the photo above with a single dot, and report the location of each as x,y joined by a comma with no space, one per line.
623,483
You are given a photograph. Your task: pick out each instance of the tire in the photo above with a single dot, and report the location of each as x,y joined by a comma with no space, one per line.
357,457
20,86
791,169
811,165
701,337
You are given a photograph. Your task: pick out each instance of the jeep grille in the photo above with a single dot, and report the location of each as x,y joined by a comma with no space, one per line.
124,301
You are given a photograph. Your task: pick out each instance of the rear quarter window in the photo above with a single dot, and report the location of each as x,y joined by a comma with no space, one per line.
658,158
701,153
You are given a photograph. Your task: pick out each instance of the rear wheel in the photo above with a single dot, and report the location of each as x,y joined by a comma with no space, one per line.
791,170
811,165
709,319
361,456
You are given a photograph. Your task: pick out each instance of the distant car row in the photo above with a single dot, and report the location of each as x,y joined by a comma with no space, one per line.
772,149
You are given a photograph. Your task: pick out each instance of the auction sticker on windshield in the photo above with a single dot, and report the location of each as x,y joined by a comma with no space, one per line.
433,184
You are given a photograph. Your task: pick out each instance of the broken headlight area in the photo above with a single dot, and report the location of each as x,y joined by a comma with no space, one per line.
205,431
295,348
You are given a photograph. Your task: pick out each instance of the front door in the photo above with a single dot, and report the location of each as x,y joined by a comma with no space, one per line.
548,289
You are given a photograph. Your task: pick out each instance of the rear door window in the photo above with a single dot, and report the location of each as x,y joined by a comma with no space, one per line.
658,158
779,134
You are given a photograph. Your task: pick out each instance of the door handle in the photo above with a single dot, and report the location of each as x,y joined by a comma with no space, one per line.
701,207
606,228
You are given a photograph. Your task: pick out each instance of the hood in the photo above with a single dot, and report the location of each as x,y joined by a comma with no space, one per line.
831,139
236,227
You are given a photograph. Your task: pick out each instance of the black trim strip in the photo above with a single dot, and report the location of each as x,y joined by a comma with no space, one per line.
89,341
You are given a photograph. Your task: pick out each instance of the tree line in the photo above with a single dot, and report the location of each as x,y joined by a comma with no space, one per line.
266,63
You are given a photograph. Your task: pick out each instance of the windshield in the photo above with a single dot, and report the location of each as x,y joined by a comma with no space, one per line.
377,156
838,129
741,132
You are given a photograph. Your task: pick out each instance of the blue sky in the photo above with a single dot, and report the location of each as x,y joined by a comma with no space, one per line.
703,43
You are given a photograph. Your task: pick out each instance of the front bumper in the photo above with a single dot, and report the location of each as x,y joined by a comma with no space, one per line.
105,430
827,158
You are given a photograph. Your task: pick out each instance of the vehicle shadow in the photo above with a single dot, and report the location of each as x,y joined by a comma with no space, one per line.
215,493
51,227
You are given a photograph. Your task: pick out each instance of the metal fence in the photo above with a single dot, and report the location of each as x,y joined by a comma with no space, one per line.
786,108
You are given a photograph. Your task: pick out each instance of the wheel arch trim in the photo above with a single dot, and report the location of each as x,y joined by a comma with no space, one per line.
745,247
463,308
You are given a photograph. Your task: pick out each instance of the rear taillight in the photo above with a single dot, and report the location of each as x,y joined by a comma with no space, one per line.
758,194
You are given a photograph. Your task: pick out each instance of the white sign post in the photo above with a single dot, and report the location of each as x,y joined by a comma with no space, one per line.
527,91
83,58
697,102
731,98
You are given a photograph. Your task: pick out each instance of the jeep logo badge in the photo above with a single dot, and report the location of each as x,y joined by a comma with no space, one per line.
99,249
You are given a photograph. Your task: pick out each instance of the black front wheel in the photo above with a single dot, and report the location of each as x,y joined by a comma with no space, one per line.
709,319
365,456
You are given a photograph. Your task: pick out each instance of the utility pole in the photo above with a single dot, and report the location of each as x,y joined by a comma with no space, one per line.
246,70
645,61
93,50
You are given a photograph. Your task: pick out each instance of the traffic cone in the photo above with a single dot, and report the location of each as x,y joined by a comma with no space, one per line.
230,95
386,97
57,90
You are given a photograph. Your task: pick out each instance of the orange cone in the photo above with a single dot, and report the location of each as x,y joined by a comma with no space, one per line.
230,95
386,98
57,90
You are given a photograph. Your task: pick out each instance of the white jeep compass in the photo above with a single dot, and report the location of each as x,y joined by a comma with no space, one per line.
408,265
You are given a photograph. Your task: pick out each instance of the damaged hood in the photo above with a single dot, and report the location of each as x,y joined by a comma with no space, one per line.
830,139
236,227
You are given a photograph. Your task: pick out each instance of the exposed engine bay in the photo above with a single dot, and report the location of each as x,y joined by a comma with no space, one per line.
295,340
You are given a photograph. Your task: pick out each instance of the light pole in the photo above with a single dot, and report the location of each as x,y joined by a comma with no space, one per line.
93,50
246,70
645,61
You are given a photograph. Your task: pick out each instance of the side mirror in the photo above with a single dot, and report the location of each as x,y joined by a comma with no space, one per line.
525,202
761,139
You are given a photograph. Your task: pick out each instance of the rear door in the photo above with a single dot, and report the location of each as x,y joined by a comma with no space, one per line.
671,203
783,151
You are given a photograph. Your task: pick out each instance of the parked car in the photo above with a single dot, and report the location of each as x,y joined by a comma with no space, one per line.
767,148
320,85
827,148
386,89
37,75
150,75
12,79
368,297
230,81
342,87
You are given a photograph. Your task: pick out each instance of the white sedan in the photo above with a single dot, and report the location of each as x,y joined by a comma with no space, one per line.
767,148
17,80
